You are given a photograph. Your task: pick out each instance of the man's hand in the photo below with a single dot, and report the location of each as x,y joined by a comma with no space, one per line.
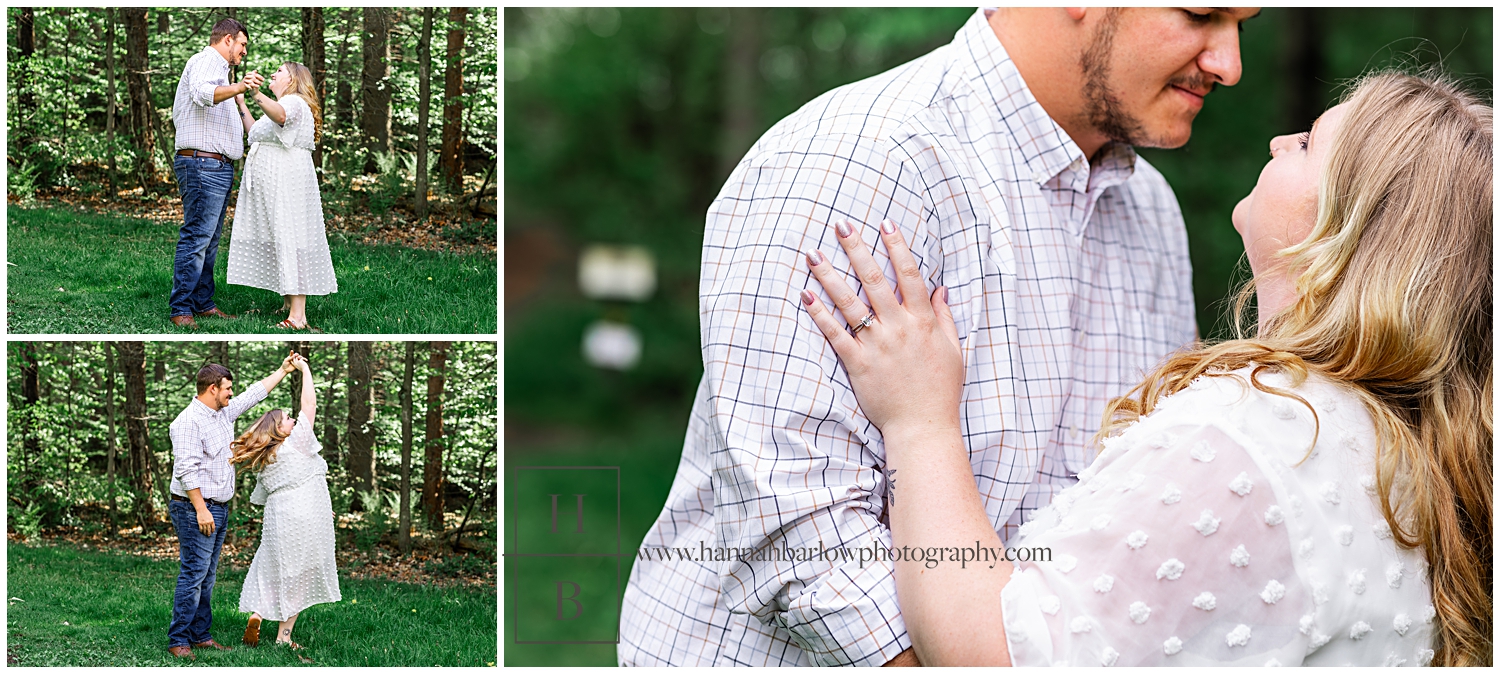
205,521
289,363
252,81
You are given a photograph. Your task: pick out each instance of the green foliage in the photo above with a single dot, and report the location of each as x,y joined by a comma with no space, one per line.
72,607
23,180
62,480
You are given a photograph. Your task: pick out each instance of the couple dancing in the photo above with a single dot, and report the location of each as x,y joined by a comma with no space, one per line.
977,268
279,243
294,565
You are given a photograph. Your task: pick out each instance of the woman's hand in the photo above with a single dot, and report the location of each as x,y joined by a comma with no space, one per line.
905,364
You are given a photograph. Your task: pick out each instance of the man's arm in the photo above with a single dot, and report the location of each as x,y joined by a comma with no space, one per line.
800,466
187,458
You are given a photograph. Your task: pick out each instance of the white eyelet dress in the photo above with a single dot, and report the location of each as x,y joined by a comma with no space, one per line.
277,241
1201,537
294,566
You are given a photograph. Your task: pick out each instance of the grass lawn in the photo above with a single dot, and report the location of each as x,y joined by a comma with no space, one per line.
78,272
647,456
71,607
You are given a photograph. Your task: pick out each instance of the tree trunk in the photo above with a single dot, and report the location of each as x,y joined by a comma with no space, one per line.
741,88
411,358
345,91
361,432
375,84
109,411
330,424
138,83
142,462
312,57
219,351
24,83
163,23
424,102
1302,64
432,468
31,395
111,108
452,161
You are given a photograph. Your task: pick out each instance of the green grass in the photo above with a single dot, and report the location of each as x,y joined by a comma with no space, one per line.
647,450
115,276
71,607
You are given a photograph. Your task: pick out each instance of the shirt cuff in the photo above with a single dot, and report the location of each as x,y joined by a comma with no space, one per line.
189,481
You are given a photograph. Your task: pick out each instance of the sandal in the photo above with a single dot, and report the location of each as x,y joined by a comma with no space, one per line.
252,632
287,324
289,644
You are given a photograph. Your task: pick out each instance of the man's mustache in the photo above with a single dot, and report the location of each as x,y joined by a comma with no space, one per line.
1195,82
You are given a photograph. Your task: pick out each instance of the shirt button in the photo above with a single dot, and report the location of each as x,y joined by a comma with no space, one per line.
1039,177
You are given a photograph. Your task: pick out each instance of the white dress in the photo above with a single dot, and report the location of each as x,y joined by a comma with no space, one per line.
277,241
294,566
1197,539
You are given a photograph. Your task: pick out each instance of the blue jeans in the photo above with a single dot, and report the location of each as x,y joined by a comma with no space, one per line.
204,183
198,556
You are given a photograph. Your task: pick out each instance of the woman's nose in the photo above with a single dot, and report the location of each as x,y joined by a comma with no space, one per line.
1279,143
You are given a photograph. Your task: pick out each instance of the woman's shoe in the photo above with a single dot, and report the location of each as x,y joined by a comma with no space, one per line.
287,324
252,632
289,644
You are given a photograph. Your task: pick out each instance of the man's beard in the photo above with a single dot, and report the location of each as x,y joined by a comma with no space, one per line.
1102,105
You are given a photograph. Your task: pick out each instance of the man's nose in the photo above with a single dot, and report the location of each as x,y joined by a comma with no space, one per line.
1221,58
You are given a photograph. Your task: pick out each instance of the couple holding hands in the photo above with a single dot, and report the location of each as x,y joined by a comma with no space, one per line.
279,242
294,566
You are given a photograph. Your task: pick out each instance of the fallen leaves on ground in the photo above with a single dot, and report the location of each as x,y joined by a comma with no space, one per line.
446,229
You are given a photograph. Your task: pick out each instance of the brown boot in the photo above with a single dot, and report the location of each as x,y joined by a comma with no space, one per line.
182,652
214,645
185,322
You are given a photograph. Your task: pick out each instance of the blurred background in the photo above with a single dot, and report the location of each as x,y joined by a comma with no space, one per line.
621,126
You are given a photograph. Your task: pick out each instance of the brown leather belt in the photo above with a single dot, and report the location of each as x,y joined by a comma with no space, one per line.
207,500
201,153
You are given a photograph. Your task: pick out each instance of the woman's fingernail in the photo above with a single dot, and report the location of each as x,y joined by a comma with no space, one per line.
943,294
887,226
814,258
844,228
807,297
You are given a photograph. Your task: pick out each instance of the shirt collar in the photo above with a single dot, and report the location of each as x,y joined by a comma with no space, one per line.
222,61
1046,148
201,407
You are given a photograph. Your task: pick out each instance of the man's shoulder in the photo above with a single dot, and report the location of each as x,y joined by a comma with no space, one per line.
188,415
871,112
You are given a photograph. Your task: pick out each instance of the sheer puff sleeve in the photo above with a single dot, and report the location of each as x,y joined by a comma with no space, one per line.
298,115
1169,551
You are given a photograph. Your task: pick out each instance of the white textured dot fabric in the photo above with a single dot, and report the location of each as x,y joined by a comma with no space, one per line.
277,241
1229,551
294,566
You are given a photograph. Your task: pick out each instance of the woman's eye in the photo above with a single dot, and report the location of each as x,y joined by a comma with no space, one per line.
1303,138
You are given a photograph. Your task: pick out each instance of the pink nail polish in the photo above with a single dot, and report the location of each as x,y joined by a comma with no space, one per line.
843,228
807,297
888,227
814,258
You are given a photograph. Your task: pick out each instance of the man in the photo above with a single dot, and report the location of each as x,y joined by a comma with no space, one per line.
1006,159
202,484
210,138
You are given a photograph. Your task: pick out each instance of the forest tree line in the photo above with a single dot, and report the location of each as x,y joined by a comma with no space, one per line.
95,86
406,427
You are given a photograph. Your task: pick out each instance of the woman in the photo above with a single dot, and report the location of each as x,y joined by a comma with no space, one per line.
1316,494
294,566
278,242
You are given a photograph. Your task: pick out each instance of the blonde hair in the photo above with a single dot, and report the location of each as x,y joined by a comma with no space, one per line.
302,85
1394,304
256,447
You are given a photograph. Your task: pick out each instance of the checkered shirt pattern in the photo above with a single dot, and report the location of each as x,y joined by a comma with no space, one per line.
200,445
1067,281
201,123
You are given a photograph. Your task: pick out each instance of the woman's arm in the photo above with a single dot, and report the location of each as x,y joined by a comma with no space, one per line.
274,110
309,393
907,372
245,117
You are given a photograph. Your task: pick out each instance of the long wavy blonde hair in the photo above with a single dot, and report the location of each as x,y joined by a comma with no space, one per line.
302,85
256,447
1394,304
